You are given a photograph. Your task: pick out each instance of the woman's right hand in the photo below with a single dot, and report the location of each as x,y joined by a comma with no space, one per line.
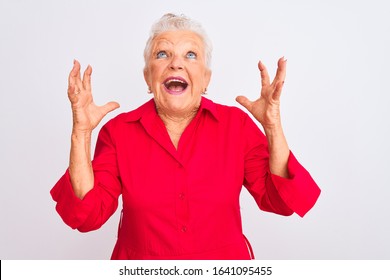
86,114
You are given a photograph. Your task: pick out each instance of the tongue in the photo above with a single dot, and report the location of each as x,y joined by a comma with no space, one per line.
176,88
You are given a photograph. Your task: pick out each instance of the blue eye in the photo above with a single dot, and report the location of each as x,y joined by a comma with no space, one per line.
161,54
191,55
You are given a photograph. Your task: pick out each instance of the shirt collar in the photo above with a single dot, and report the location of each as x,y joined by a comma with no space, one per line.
210,106
148,110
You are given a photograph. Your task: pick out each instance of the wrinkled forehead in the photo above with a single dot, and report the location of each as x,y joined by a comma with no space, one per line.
178,38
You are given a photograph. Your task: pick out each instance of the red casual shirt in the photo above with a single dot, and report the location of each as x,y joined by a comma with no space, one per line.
184,203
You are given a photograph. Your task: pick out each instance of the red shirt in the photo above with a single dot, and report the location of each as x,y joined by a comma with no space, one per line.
184,203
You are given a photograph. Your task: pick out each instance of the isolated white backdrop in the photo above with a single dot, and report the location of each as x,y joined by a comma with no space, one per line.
334,108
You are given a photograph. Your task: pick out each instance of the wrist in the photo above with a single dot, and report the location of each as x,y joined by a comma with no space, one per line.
81,133
274,129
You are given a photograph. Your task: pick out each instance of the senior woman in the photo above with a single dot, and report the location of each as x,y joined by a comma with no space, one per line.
180,160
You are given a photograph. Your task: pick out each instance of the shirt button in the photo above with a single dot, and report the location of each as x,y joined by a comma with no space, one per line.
181,196
183,229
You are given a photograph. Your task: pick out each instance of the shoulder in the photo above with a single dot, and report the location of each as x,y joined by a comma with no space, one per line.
224,112
133,115
137,113
235,123
117,126
232,118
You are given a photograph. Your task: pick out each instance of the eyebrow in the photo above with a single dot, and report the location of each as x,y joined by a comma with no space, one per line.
162,41
163,44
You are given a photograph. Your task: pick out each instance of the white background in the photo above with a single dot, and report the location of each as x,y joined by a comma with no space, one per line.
334,104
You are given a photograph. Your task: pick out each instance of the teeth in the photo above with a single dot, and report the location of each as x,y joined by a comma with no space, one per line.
175,80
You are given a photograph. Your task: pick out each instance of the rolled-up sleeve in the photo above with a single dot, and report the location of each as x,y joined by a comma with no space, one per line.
272,193
101,201
300,192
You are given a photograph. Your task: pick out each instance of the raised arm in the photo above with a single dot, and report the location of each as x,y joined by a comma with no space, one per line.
266,110
86,116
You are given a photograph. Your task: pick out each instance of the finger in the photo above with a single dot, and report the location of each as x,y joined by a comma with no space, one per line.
73,74
281,71
74,80
263,74
110,106
244,102
278,91
87,78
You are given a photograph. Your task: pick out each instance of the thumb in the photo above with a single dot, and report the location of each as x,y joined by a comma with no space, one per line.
244,102
110,106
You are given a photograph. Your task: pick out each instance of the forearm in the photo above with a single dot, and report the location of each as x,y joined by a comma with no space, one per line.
278,150
80,165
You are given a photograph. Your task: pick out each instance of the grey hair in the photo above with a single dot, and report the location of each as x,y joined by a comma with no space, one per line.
171,22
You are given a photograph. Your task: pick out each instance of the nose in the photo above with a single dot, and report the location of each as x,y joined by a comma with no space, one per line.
176,63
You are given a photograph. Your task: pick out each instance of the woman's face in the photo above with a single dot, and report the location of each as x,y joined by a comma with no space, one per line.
176,71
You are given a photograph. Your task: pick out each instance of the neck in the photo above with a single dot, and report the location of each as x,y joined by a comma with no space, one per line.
176,119
176,123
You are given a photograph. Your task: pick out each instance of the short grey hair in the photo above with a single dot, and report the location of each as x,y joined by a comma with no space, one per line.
172,22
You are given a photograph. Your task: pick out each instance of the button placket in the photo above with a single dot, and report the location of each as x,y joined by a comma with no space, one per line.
182,199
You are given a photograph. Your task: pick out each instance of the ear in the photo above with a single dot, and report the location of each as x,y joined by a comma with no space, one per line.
207,77
146,77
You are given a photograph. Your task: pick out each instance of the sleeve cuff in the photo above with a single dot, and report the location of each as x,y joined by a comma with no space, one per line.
73,210
299,192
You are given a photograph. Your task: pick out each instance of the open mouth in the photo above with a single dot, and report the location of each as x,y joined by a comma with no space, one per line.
175,85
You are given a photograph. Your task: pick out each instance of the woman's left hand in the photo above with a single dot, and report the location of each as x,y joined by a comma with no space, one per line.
266,109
